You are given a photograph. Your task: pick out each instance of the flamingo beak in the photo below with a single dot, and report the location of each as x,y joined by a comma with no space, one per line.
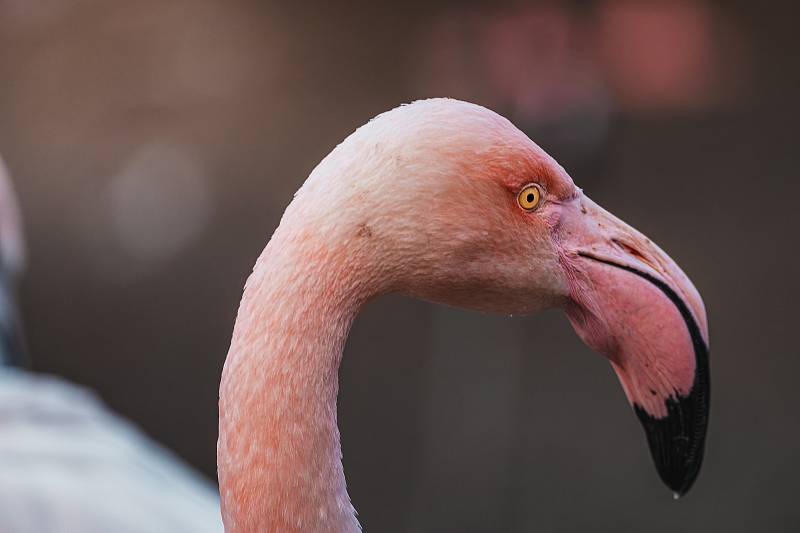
632,303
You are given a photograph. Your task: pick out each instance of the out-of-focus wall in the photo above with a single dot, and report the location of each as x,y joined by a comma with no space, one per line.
154,146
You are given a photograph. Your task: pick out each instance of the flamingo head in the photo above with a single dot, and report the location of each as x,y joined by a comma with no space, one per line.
455,205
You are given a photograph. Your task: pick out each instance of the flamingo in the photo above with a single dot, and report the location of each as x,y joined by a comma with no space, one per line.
446,201
68,464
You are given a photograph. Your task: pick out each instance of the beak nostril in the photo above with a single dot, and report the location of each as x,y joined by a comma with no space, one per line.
631,250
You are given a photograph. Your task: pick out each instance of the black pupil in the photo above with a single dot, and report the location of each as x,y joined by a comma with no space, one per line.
530,197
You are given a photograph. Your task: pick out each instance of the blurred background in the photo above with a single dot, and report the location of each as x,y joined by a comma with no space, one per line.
154,146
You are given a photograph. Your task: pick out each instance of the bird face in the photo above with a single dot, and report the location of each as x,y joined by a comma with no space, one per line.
498,225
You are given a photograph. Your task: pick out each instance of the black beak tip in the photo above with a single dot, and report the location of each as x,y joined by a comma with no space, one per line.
677,441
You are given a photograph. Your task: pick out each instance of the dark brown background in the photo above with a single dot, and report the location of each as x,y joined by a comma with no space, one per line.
154,146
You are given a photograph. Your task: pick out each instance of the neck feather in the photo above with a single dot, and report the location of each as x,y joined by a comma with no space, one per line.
279,454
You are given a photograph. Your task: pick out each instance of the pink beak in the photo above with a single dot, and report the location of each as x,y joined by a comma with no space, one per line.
632,303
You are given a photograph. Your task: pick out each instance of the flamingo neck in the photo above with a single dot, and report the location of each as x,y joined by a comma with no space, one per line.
279,454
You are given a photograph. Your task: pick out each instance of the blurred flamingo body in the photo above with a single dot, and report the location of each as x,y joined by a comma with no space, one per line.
67,464
449,202
70,465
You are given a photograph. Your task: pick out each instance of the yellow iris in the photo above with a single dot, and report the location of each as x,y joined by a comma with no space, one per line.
529,197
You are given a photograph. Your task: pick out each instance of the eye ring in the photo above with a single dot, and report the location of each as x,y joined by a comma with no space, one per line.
529,197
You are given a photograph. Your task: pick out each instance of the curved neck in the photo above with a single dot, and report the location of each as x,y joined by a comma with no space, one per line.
279,455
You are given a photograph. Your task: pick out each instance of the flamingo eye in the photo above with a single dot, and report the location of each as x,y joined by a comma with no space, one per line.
529,197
